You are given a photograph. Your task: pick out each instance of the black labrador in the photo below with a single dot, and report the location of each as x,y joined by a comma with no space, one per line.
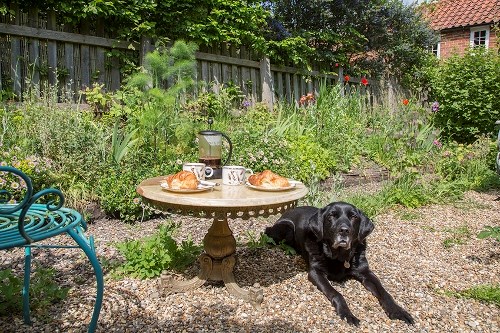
332,242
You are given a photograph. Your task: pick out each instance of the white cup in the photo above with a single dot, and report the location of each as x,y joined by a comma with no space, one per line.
199,169
234,174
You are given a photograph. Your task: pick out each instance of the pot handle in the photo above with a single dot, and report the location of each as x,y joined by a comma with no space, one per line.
230,149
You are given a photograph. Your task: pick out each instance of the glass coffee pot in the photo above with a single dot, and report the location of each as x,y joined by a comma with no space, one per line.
210,150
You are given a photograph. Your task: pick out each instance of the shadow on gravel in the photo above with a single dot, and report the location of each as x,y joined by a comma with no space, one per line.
266,266
122,305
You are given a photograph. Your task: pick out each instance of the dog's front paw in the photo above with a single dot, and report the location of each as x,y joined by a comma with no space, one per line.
349,317
401,314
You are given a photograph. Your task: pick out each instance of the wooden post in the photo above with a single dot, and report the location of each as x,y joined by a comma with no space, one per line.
69,61
34,50
100,53
266,80
52,49
146,47
15,65
341,80
85,58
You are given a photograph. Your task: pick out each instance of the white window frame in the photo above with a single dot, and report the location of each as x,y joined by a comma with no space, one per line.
477,29
437,49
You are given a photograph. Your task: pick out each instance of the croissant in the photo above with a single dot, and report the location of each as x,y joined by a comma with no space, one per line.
182,180
268,179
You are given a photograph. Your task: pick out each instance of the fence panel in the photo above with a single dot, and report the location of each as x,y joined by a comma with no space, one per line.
35,49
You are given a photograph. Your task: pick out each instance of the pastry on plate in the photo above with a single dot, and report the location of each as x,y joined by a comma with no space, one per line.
182,180
268,179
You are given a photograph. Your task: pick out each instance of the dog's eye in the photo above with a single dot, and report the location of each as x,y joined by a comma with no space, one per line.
353,216
334,215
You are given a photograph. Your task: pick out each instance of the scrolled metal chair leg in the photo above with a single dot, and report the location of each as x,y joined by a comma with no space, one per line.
82,242
26,285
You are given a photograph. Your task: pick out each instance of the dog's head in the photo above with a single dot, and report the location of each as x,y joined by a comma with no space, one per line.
340,225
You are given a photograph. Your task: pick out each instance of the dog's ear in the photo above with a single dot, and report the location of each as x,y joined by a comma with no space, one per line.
366,226
316,222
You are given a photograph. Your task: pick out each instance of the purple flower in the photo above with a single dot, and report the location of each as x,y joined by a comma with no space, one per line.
435,106
437,143
245,104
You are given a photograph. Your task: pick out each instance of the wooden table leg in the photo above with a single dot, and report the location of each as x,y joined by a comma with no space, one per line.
217,263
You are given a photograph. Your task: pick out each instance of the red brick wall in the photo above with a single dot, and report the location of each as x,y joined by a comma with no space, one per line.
457,41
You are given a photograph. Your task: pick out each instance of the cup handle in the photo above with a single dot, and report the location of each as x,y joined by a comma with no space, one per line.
209,171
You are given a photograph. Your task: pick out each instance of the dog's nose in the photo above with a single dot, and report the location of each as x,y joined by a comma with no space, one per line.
344,231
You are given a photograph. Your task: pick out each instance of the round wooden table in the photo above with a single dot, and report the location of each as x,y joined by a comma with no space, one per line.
222,202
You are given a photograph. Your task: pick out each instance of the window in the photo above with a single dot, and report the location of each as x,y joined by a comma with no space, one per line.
479,36
436,49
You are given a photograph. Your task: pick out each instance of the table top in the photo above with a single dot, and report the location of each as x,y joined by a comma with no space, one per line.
222,197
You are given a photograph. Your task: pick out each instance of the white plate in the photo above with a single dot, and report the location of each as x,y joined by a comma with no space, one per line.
200,188
272,189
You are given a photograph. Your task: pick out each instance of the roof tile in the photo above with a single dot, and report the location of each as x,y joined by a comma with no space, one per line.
446,14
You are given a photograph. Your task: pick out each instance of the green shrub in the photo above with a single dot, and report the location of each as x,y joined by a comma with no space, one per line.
258,153
467,90
468,164
149,257
116,190
309,159
402,139
43,291
37,168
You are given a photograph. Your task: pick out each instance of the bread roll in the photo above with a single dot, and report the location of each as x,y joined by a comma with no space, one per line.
182,180
268,179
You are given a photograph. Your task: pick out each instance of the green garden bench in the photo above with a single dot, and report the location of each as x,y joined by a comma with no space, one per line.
25,223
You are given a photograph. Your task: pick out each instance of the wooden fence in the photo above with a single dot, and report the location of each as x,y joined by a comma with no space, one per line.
34,49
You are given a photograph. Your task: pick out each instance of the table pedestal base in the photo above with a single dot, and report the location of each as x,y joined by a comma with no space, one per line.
217,263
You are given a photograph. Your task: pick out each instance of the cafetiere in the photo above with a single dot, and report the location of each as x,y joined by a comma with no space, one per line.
210,151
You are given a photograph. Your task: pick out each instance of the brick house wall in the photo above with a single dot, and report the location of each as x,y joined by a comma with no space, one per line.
456,41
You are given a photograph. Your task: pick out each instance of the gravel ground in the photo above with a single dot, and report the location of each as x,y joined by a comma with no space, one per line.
406,251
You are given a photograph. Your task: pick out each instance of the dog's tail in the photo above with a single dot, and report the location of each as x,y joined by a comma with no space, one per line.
282,231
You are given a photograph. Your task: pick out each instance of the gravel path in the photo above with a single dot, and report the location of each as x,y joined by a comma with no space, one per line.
406,251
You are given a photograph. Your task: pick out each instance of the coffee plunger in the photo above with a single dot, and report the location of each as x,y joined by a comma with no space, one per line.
210,150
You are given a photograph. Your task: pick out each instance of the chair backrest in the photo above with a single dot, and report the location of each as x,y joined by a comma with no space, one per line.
41,220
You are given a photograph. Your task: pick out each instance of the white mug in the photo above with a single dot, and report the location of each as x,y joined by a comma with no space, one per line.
234,174
199,169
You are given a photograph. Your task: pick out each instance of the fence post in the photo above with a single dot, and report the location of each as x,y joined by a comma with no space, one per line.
16,62
341,80
266,80
146,46
34,53
52,49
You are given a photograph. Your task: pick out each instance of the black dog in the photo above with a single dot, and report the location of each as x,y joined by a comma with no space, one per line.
332,242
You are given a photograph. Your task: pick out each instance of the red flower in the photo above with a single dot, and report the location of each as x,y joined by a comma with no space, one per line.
364,81
405,101
347,78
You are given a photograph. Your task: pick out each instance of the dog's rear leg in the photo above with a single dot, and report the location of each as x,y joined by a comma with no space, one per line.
282,230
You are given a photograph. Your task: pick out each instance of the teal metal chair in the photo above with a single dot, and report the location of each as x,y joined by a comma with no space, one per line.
25,223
